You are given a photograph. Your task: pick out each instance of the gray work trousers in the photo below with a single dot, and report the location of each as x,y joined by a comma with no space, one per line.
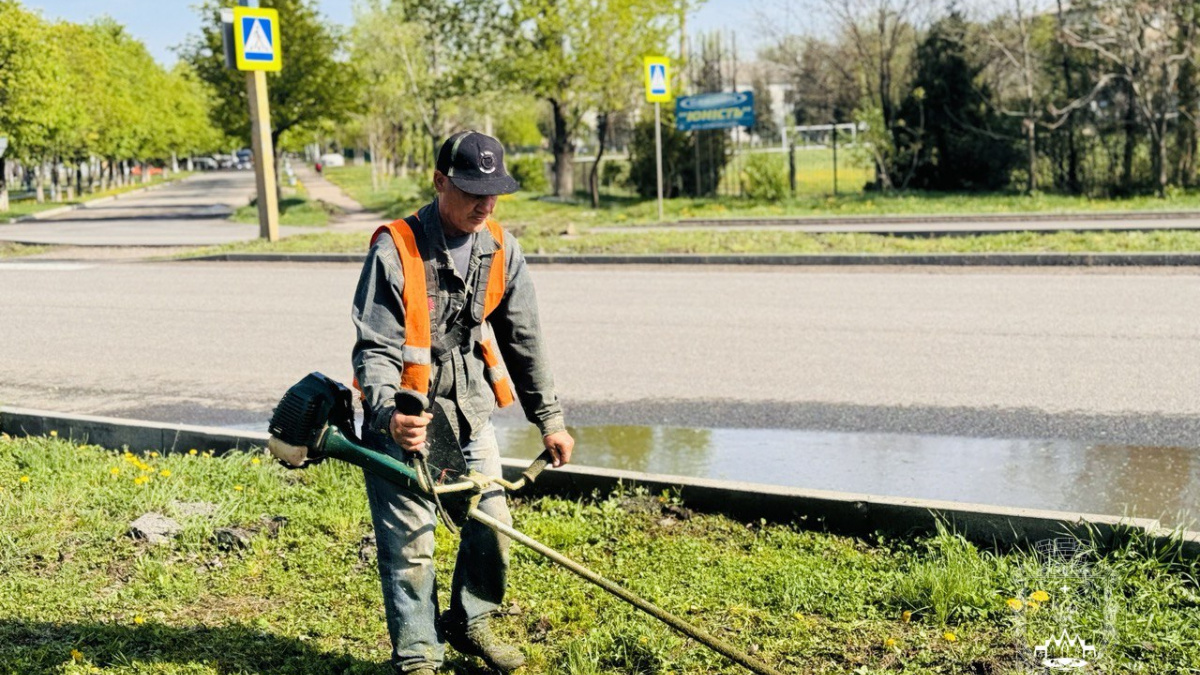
404,526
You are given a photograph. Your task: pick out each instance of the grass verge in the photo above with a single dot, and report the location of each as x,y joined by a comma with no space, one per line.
543,240
13,250
297,210
397,198
77,595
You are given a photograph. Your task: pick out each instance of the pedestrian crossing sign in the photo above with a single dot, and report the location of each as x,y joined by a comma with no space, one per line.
658,80
256,38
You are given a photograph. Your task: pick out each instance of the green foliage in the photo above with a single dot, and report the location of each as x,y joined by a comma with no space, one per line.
316,85
764,177
953,582
958,141
682,154
530,172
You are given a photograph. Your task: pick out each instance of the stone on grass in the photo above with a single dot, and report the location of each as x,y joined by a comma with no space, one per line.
155,528
230,538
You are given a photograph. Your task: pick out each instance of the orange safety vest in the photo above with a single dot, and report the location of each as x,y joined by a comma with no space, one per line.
417,333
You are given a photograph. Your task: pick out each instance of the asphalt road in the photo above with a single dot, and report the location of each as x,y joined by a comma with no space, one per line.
191,212
1108,355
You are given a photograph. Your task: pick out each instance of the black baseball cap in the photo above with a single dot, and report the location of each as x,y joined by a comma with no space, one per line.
474,162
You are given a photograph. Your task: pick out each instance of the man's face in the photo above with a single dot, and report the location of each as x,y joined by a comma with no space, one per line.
461,213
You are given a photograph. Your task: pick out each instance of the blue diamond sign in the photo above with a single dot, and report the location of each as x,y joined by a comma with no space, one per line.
256,38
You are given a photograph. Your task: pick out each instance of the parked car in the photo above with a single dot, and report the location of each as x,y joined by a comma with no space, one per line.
224,161
204,163
332,159
245,159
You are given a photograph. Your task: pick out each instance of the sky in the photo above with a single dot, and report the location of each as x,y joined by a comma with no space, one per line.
163,24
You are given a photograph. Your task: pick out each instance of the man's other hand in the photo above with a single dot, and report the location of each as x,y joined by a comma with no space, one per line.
560,444
409,430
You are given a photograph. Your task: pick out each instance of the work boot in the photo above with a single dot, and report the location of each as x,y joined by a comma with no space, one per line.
478,640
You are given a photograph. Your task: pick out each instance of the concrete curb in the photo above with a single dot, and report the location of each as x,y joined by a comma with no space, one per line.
841,512
955,259
40,215
1033,217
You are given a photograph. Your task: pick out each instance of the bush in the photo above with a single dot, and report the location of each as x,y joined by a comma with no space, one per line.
764,178
530,172
614,173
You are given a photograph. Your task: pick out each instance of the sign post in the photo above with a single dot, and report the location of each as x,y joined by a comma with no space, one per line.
256,51
658,90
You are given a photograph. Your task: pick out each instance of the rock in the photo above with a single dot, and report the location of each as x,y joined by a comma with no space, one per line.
190,509
272,525
366,549
229,538
667,522
155,528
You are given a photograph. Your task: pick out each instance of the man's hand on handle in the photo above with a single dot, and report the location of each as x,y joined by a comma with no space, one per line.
409,431
560,444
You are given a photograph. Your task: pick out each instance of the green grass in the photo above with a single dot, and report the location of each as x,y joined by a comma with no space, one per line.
296,210
397,198
77,595
543,240
28,206
13,250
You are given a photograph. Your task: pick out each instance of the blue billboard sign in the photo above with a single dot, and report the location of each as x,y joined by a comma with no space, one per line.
718,110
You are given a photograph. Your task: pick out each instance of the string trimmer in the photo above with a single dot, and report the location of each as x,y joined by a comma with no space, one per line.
314,421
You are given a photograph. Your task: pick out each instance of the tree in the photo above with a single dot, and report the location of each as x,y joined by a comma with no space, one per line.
314,86
962,143
581,55
1143,44
765,125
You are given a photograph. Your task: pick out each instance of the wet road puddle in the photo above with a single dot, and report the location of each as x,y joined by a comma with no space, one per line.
1146,482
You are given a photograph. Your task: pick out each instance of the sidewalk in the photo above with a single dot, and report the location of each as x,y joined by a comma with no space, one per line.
355,217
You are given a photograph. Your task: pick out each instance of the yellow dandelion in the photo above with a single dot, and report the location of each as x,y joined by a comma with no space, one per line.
139,620
1014,604
154,454
255,461
24,479
1032,605
115,471
53,433
1039,596
165,473
192,451
140,480
950,637
239,488
128,455
906,616
889,643
76,655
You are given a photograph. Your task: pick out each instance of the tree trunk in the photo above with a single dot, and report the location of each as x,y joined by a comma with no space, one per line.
601,133
3,185
564,154
145,173
39,179
1130,141
1160,157
1031,150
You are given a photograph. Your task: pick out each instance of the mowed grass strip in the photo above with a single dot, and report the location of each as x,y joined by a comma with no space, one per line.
537,239
398,197
13,250
79,595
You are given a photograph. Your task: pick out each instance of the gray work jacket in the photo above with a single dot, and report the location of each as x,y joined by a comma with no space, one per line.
378,316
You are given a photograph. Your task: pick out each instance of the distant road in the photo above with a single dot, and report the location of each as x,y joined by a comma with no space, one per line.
191,212
1096,354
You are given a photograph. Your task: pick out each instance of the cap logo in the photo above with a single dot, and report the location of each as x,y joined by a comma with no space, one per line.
487,162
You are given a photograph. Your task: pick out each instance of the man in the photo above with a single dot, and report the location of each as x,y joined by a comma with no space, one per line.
453,268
